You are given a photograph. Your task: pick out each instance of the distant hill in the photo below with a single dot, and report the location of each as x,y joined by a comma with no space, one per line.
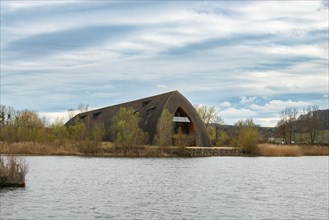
270,131
325,117
263,131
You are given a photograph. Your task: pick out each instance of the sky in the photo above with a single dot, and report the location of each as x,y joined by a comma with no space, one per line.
249,59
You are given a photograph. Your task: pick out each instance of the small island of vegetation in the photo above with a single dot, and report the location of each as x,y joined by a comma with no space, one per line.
12,171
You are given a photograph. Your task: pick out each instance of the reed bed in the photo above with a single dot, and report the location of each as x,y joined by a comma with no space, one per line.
292,150
315,150
279,150
32,148
12,171
107,149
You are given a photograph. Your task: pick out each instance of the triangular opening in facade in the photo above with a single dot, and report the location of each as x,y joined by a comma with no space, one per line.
183,129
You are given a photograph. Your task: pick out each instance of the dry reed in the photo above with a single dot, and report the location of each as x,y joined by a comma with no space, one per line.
32,148
279,150
12,171
315,150
292,150
107,149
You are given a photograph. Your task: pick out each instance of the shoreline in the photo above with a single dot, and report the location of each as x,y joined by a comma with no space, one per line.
108,150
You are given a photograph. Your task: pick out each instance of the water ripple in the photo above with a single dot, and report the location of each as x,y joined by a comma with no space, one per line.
175,188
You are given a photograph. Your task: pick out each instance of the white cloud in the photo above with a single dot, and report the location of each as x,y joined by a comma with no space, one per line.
247,100
267,122
232,115
279,105
225,104
24,4
300,50
51,117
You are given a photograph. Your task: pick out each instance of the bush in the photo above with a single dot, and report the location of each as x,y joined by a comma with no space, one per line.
95,137
164,130
58,134
248,139
126,129
248,136
212,135
86,140
78,133
223,139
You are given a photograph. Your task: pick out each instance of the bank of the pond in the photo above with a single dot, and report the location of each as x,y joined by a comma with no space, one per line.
107,149
152,151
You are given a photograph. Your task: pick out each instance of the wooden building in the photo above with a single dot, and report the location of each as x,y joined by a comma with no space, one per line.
188,126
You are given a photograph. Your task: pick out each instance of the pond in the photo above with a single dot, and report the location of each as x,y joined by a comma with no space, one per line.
170,188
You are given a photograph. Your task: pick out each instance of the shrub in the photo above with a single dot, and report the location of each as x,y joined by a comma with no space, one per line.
248,138
87,140
126,129
94,139
212,135
78,132
223,139
58,133
164,130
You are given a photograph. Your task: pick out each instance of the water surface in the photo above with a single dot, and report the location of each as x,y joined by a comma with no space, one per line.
170,188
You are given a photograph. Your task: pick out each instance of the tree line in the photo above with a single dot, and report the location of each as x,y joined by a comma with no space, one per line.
28,126
301,127
294,126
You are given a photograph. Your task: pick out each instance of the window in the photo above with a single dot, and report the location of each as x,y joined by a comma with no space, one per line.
146,102
180,119
96,114
82,117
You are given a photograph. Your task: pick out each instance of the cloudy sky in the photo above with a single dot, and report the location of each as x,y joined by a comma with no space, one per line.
249,59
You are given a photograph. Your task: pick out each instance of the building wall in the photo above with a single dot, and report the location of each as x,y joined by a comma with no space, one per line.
150,110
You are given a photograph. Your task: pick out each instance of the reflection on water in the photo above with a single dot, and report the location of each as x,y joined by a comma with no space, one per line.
170,188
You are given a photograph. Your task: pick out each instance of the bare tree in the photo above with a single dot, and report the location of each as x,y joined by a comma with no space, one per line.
70,113
281,129
82,107
207,113
288,119
311,122
212,120
2,114
218,122
7,114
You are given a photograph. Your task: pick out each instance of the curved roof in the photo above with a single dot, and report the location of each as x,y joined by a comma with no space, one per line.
150,109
